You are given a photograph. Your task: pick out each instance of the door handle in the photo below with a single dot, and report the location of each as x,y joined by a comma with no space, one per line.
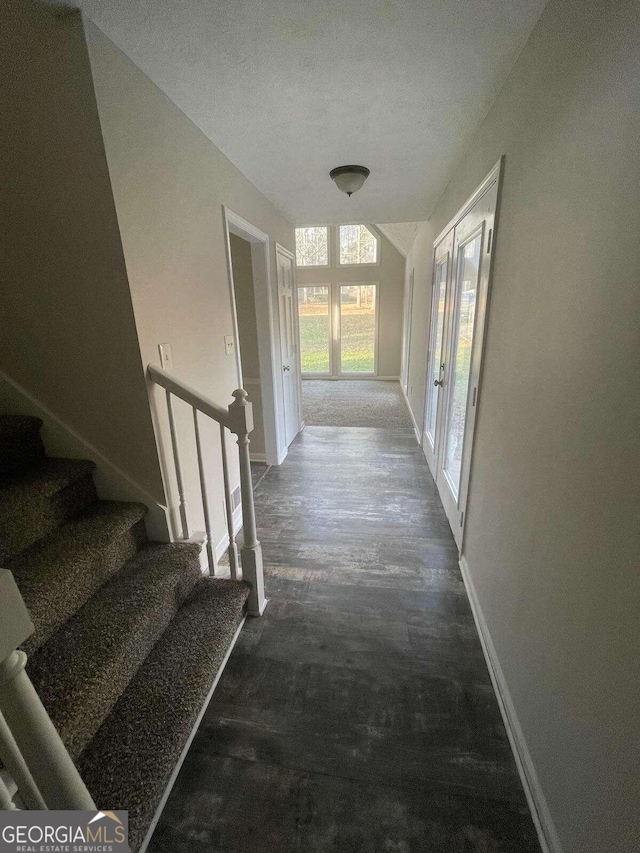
437,382
286,367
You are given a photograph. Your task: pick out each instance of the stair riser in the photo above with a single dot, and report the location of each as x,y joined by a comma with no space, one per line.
44,514
61,600
132,756
120,667
22,450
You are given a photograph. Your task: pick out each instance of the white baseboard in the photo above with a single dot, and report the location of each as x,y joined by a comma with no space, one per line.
306,376
547,834
223,543
258,457
283,456
183,755
416,428
62,440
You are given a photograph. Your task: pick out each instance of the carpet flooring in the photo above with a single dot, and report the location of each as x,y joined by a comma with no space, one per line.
355,403
128,636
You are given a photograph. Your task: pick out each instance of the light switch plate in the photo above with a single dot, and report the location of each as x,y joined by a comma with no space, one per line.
229,345
166,361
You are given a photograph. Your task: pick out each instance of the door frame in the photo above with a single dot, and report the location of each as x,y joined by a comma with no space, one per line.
442,251
268,329
477,364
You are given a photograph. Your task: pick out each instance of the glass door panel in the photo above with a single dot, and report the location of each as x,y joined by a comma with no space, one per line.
357,328
435,357
315,339
462,343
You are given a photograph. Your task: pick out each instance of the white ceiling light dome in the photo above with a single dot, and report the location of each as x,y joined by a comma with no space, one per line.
349,179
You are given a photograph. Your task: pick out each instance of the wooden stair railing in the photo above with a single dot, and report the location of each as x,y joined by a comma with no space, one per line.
30,747
237,419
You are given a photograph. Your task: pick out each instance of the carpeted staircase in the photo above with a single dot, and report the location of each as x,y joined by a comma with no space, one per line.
128,633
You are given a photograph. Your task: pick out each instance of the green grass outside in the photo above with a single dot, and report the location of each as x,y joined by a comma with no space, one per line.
358,330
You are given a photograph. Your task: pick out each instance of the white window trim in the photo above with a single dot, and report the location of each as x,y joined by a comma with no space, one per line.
335,335
338,337
326,266
317,374
333,248
372,229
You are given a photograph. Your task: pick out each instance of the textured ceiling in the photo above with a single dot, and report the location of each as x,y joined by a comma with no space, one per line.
290,89
400,234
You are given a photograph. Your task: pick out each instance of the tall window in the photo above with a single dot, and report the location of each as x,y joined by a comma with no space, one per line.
357,245
312,246
338,328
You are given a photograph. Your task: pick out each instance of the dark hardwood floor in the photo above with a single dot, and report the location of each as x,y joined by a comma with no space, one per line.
357,715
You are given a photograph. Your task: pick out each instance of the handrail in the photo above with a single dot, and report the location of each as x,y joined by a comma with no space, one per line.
189,395
238,419
30,747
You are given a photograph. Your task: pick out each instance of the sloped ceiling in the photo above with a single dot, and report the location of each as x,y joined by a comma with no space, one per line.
290,89
400,234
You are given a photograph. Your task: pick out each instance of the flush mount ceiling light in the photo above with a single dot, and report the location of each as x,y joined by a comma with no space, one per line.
349,179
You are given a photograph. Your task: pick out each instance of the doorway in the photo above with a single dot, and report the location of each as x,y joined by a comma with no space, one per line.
463,255
256,341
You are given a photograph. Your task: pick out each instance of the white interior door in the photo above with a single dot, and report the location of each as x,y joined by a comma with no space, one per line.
288,344
461,280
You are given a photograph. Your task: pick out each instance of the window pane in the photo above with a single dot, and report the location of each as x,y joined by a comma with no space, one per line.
437,326
313,313
357,245
312,247
464,316
357,328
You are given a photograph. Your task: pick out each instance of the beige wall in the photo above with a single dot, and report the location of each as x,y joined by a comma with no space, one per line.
552,531
67,328
390,274
248,333
170,183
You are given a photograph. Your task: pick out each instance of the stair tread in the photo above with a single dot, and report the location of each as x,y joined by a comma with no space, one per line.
56,575
18,488
34,501
129,762
86,665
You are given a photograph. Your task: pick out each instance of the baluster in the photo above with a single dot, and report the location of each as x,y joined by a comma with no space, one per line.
6,800
35,737
241,423
176,461
14,762
205,501
233,548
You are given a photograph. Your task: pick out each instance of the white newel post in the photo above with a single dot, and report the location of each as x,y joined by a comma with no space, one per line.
241,423
38,744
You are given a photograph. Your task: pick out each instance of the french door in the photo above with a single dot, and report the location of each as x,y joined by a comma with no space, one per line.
462,263
338,326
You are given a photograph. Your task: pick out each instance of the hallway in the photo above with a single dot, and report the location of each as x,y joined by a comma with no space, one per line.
358,713
354,403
